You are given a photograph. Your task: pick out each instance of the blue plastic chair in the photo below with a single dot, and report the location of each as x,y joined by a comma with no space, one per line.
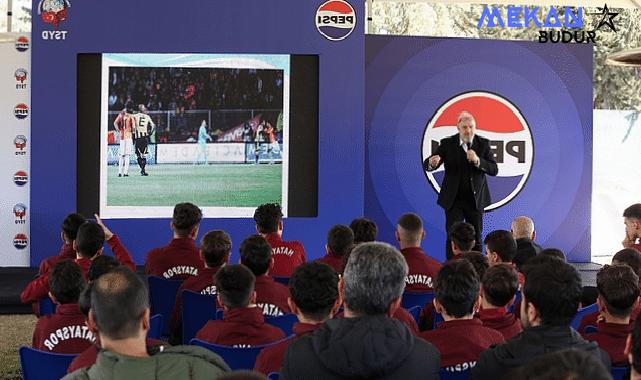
236,358
155,327
576,322
590,329
46,307
416,312
411,299
283,322
40,365
197,309
517,302
448,375
438,318
274,376
281,280
162,294
619,373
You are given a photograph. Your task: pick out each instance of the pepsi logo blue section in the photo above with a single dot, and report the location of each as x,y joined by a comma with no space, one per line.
408,79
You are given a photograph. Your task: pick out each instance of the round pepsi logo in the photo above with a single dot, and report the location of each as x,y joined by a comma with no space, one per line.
22,43
21,111
335,20
20,241
498,120
20,178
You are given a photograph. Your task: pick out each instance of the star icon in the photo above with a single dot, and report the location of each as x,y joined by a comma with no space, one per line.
606,18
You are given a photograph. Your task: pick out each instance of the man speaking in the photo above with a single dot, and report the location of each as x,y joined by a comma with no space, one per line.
464,192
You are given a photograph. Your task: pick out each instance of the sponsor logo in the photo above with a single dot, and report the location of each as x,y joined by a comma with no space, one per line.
21,144
21,111
20,178
53,11
20,211
335,19
21,78
498,120
20,241
22,43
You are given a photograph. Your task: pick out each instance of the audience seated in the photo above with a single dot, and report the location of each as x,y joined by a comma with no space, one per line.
498,291
120,314
287,254
88,245
364,229
179,259
524,233
562,365
618,289
69,230
314,299
500,247
64,332
551,297
215,249
460,338
632,220
422,268
340,241
633,351
271,297
243,324
366,343
554,252
462,238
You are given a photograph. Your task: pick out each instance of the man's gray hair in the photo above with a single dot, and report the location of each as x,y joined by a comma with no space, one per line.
374,277
522,227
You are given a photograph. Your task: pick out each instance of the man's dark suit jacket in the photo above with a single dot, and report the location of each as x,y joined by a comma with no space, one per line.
455,162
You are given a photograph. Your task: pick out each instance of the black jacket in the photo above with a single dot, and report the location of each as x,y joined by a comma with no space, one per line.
370,347
456,165
525,250
533,342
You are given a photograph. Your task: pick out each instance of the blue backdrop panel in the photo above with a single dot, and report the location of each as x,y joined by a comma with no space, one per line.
200,26
408,79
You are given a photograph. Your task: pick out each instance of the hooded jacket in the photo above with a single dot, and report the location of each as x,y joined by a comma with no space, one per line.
530,344
369,347
171,363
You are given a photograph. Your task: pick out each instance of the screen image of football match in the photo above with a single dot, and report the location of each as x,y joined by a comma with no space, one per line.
211,129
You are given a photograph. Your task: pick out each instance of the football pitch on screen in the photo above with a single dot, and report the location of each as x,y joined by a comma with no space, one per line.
213,185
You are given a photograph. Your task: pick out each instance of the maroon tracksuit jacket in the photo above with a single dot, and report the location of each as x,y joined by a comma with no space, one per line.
422,269
611,338
66,253
591,319
271,358
64,332
178,260
287,255
271,296
333,260
500,320
243,327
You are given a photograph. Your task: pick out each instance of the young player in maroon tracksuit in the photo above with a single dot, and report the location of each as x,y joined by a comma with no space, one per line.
340,241
215,248
180,259
243,324
69,230
271,296
422,268
498,291
460,338
64,332
287,254
314,290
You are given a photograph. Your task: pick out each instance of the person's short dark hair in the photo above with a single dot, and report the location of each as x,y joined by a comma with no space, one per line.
70,225
502,243
119,300
538,260
478,260
457,288
235,285
633,211
84,301
463,235
635,347
554,288
630,257
90,239
314,289
618,287
412,224
215,246
256,254
562,365
101,265
187,216
340,239
66,282
267,216
364,230
500,284
554,252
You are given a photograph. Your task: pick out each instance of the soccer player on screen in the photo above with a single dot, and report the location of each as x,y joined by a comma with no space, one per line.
272,142
203,136
143,128
260,137
124,125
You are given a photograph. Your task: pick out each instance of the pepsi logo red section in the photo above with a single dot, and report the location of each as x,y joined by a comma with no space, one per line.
490,114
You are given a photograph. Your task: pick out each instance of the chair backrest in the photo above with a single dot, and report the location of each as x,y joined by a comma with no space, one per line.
576,322
46,307
155,327
197,309
274,376
40,365
411,299
162,294
282,280
416,312
235,357
438,318
450,375
590,329
283,322
517,301
619,373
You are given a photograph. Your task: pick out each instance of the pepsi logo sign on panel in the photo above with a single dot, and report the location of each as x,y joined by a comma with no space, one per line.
20,211
22,43
498,120
21,143
335,20
20,178
20,241
21,111
21,77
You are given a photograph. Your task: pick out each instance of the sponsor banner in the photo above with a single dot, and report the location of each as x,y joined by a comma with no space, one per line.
15,118
235,153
